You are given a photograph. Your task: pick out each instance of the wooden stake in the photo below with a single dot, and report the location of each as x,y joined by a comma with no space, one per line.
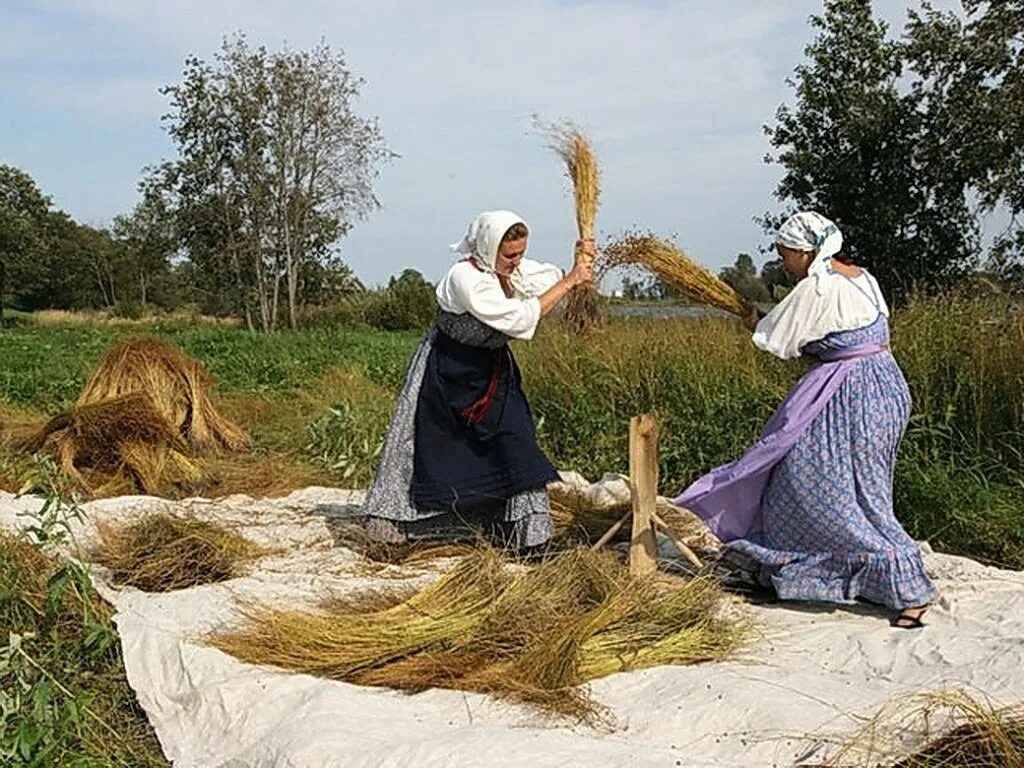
643,479
610,533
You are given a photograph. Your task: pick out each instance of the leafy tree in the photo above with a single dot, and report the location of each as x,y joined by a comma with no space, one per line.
330,280
969,79
777,281
858,149
408,302
23,214
632,289
742,276
274,167
82,266
148,238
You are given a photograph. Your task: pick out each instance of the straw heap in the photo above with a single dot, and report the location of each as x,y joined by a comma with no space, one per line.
532,635
581,167
144,416
116,446
668,262
161,553
178,385
951,729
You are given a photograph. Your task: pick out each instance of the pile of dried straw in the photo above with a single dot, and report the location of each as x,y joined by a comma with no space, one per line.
117,446
529,634
178,385
937,730
142,420
161,553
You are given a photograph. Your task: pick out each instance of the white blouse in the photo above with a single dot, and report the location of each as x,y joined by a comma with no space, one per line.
808,314
468,289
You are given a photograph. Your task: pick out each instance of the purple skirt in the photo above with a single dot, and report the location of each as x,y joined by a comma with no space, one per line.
811,500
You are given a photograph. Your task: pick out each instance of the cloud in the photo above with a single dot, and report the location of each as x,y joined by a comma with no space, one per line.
674,95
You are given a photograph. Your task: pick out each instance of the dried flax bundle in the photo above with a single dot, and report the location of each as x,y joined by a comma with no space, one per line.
671,264
120,445
533,635
581,167
179,386
141,424
162,553
944,729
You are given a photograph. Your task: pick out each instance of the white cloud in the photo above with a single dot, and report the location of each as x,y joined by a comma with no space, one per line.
674,95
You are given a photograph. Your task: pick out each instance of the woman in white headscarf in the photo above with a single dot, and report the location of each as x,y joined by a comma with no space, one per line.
461,450
811,501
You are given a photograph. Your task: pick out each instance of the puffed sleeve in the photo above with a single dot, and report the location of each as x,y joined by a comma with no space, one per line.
466,289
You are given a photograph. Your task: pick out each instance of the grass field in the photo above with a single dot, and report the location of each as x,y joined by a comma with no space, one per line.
320,400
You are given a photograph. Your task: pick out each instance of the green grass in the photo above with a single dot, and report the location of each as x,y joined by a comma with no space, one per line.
46,366
325,395
64,697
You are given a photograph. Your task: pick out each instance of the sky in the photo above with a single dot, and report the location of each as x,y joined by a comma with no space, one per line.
674,96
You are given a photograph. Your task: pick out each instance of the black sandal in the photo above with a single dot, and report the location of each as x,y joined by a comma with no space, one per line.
907,621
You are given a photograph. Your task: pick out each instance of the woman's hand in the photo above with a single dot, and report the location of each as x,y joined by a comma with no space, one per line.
586,250
582,273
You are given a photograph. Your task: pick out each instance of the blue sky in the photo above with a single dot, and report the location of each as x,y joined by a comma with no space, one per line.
674,95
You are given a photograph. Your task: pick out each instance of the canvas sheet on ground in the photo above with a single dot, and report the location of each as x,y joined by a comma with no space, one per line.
810,672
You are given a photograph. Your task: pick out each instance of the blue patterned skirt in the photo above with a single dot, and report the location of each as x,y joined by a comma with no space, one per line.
829,532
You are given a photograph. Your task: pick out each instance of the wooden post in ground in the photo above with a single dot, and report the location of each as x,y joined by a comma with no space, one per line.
643,477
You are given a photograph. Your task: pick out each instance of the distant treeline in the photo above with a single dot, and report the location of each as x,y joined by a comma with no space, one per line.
913,144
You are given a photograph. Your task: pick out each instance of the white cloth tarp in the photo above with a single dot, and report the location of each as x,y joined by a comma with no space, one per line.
811,671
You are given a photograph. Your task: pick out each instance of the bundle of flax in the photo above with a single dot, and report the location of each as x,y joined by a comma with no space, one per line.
534,635
954,728
141,423
179,386
572,146
161,553
667,261
117,446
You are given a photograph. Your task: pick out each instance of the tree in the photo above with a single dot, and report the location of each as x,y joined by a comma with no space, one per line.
48,260
647,287
632,289
777,281
329,281
274,167
84,267
148,236
969,75
742,276
105,259
23,213
859,150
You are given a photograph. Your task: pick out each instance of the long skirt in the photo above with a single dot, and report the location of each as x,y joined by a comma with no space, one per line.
811,502
461,451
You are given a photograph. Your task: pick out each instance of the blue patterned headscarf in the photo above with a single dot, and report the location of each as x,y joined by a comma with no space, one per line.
809,231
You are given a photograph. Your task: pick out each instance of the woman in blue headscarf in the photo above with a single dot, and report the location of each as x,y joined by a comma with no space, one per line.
811,502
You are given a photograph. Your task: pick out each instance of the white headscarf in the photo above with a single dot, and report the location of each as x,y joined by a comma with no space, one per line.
479,291
809,231
825,301
483,238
